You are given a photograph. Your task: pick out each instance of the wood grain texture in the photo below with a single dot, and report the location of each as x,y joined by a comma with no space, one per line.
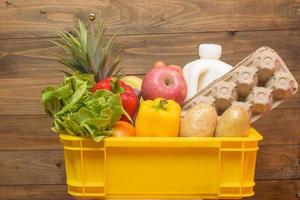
36,57
32,167
47,167
35,192
280,126
278,162
32,132
265,190
277,190
31,157
36,18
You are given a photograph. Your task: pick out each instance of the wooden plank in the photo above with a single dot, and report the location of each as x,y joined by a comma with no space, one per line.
36,18
32,132
276,190
281,126
31,167
23,95
278,162
47,167
35,192
35,57
264,190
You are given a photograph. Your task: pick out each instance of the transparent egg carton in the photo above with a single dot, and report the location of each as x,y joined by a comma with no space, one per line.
260,82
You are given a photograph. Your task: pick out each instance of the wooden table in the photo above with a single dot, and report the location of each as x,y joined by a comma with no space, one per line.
31,157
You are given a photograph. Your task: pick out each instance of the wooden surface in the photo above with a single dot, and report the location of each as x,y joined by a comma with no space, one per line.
31,157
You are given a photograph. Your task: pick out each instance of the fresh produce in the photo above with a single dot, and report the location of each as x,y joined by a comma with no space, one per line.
200,120
91,102
159,64
88,53
158,118
134,81
123,129
234,122
164,82
128,96
163,64
178,68
77,111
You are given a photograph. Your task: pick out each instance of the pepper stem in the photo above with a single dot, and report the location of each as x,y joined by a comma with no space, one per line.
115,86
162,104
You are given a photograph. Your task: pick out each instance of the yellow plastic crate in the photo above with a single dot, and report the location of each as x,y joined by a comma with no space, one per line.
138,167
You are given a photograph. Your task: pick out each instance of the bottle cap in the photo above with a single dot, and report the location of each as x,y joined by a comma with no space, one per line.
210,51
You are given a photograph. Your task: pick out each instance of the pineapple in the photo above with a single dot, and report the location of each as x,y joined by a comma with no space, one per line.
88,53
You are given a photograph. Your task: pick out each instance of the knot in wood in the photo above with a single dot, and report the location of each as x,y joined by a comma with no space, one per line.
92,16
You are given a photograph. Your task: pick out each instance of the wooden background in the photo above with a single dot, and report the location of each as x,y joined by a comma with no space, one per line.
31,157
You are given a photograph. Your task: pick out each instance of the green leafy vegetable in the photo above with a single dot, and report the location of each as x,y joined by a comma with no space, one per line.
77,111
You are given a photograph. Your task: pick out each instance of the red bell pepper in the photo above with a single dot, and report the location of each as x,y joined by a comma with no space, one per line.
128,96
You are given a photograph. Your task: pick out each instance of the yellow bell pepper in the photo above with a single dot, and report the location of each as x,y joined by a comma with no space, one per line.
160,118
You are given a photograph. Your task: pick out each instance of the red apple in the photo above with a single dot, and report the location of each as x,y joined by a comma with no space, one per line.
165,82
178,68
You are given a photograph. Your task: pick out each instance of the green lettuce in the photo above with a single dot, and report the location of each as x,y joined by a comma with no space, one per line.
77,111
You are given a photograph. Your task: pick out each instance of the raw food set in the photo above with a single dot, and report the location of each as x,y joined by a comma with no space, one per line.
177,133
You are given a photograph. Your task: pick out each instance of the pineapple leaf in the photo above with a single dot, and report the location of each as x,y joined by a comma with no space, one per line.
69,41
66,73
93,66
91,49
72,51
99,47
116,60
113,66
63,59
107,49
87,51
117,71
82,35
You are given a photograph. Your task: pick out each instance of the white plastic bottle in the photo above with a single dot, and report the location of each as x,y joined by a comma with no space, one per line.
200,73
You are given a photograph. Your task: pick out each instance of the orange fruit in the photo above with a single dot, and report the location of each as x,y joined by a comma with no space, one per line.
123,129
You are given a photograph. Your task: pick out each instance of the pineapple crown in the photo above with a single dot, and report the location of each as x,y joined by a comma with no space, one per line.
87,52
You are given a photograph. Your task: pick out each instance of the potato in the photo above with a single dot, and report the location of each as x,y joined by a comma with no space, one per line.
234,122
200,121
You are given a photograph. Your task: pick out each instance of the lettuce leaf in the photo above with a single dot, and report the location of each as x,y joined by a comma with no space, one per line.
77,111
